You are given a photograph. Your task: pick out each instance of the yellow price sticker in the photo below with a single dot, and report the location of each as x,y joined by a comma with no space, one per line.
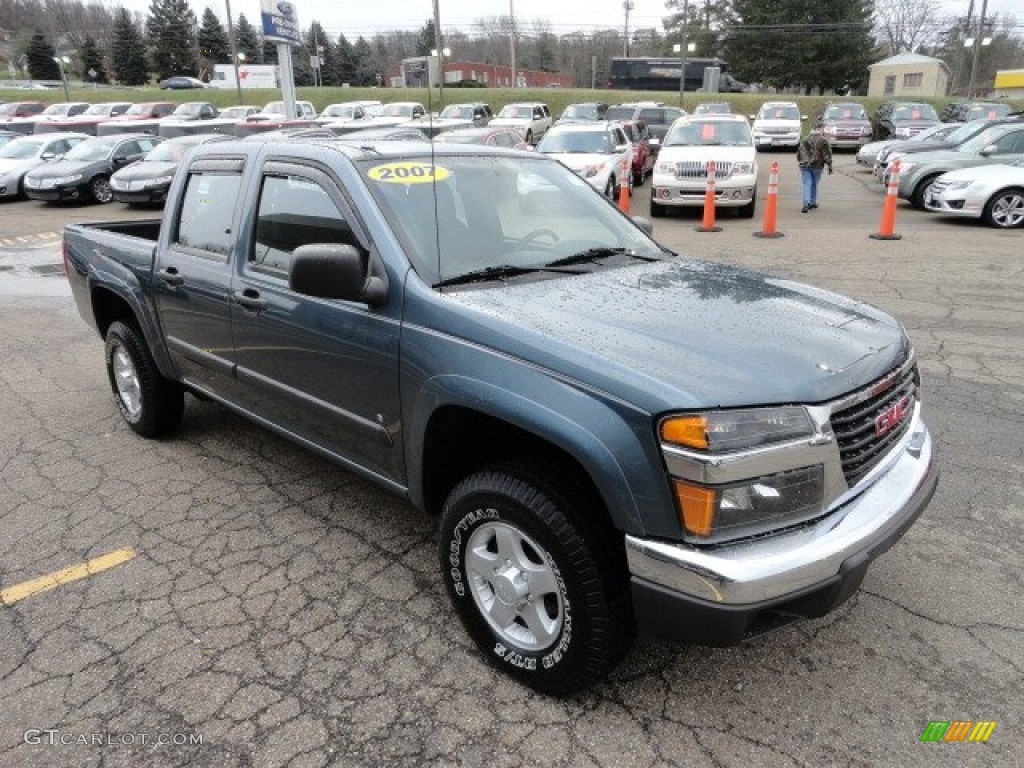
408,172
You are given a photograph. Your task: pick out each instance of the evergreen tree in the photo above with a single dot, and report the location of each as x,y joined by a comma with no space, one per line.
426,42
362,56
127,50
40,53
248,41
319,44
171,29
805,43
269,50
92,59
213,39
346,58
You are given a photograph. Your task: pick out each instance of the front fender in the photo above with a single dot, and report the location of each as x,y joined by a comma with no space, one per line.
611,440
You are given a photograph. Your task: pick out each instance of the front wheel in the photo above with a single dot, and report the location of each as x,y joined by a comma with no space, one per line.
538,595
1005,209
152,405
921,191
100,189
657,209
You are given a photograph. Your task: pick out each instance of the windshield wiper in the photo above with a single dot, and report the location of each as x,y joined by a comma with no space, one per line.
595,254
500,272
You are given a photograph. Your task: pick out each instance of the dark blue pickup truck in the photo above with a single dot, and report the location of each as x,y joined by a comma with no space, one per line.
613,437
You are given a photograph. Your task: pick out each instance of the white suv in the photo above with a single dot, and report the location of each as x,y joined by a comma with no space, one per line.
599,152
531,118
681,172
778,124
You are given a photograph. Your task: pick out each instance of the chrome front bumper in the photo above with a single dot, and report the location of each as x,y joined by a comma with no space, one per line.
769,569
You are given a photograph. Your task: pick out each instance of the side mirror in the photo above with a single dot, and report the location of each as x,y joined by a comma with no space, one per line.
803,117
655,141
48,156
751,117
991,149
622,147
333,271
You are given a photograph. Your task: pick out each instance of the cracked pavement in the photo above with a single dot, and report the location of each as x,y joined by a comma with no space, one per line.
292,615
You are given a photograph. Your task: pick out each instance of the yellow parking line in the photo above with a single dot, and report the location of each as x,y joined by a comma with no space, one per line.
18,592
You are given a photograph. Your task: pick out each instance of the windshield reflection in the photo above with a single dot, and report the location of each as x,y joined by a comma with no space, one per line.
517,215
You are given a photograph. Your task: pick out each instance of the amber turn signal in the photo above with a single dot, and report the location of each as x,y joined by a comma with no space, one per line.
691,431
696,507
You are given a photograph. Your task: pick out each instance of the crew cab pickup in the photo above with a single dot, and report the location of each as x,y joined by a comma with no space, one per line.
613,436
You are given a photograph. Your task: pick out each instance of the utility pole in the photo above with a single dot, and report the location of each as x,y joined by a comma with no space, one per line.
234,50
682,54
627,6
440,56
977,48
512,39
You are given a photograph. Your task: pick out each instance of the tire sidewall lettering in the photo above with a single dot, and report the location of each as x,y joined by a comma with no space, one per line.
521,660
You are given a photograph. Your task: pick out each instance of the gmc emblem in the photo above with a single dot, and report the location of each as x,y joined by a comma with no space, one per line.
892,416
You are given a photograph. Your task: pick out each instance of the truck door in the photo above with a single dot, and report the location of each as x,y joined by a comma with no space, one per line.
325,370
192,277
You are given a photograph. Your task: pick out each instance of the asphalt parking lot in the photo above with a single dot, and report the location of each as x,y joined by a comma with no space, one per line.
261,607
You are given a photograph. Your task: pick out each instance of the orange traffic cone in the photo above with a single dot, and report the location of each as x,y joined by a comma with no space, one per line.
771,207
708,222
888,224
624,177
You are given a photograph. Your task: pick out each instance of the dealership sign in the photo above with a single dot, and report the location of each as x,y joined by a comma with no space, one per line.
280,22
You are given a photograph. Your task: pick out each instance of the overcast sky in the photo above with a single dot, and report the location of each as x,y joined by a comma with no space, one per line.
371,16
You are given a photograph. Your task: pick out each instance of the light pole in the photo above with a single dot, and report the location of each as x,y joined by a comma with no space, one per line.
512,39
627,6
682,53
439,49
235,55
977,41
61,61
444,54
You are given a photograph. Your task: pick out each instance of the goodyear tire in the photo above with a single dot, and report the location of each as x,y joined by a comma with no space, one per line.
151,405
541,598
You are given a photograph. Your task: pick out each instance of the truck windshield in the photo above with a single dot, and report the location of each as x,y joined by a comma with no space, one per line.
468,214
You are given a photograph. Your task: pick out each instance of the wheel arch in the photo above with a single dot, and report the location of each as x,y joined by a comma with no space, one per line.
109,306
482,424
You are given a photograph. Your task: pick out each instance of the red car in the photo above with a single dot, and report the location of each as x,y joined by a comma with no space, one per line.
643,153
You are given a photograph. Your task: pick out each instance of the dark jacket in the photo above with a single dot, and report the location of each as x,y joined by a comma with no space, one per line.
814,151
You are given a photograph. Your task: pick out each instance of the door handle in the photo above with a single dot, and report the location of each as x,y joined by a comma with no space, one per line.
170,276
250,299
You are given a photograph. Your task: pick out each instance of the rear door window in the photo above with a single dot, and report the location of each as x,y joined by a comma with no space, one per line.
204,223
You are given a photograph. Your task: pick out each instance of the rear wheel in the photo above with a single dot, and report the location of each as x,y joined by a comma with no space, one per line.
152,405
1005,209
533,585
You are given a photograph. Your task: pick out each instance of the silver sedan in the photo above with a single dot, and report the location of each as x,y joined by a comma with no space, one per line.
994,193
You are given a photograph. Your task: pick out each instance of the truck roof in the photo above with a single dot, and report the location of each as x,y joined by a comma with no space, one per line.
352,147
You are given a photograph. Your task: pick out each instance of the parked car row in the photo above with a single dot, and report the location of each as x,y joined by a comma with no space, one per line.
970,170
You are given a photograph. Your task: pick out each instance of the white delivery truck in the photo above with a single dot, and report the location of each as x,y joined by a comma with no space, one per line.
250,76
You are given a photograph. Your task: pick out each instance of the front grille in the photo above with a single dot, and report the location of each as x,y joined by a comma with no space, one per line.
698,169
857,428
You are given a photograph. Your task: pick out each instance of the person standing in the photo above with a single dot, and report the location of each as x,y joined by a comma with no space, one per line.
813,154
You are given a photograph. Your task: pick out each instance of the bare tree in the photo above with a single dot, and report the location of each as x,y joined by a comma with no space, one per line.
906,25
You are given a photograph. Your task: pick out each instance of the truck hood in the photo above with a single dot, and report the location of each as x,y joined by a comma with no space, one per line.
514,122
687,334
777,125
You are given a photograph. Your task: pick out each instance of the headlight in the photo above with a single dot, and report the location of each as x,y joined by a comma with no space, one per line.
905,165
714,513
589,171
159,182
959,184
830,129
903,133
738,168
727,431
665,167
68,179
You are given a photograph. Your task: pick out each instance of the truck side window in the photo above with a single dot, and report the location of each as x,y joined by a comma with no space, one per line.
295,211
206,210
